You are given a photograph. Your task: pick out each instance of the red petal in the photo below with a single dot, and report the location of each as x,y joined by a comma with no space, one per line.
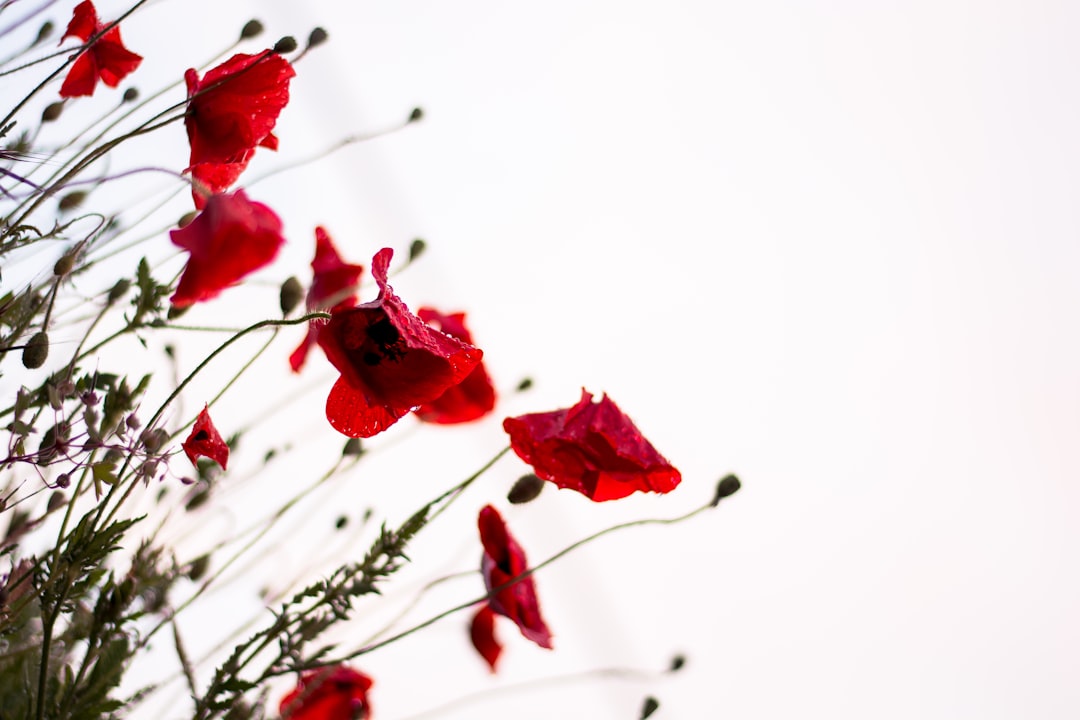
351,413
229,239
593,448
473,397
115,62
502,561
84,22
205,441
334,281
333,693
482,633
81,78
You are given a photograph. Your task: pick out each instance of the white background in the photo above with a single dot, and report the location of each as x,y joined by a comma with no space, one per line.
830,246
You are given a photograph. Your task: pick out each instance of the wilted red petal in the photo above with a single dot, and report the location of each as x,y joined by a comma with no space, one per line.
470,399
502,561
390,360
593,448
106,59
332,693
232,237
482,634
231,111
205,441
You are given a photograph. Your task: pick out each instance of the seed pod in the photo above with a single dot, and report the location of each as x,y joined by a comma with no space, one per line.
36,350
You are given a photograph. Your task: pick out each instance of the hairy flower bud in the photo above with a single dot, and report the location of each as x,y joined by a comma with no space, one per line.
56,501
252,28
292,292
317,37
526,489
728,486
130,95
64,264
36,350
52,111
44,32
71,201
417,248
285,45
118,290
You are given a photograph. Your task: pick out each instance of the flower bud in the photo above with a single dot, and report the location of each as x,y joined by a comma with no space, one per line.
650,706
198,567
52,111
292,292
65,264
526,489
186,219
317,37
252,28
44,32
677,663
118,290
36,350
285,45
63,480
353,447
416,249
72,200
153,440
416,115
130,95
56,501
728,486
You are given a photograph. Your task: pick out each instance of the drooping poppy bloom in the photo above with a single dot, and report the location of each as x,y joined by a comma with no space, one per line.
331,693
231,111
205,441
470,399
503,560
333,285
593,448
106,59
230,238
390,360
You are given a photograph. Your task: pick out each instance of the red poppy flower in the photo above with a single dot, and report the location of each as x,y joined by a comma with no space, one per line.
502,561
390,361
470,399
592,448
230,238
230,111
106,59
333,285
205,441
332,693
